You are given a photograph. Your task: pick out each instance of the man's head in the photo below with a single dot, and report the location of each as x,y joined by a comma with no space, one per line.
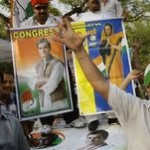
97,137
108,29
147,79
44,47
93,5
8,83
40,8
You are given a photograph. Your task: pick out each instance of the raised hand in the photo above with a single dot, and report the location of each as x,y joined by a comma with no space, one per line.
134,74
70,38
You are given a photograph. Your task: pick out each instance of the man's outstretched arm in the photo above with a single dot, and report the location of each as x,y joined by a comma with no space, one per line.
75,42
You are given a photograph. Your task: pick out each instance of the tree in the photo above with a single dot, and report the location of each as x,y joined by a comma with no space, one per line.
133,10
140,31
136,15
4,20
136,10
77,6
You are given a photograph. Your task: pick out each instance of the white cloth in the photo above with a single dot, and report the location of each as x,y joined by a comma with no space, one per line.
61,104
134,116
52,83
89,16
112,9
52,20
54,79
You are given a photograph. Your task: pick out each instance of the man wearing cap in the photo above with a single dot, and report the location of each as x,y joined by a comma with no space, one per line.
41,15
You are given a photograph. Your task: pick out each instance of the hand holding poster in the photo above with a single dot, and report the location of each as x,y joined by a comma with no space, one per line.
43,85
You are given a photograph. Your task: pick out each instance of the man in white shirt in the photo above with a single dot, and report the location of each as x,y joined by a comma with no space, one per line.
111,8
133,112
50,80
93,12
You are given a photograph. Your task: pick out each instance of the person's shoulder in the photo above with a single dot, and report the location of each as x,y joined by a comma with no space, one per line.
113,88
10,116
56,18
84,15
38,64
27,22
81,17
55,61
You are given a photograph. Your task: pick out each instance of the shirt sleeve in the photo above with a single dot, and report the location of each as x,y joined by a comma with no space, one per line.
54,79
118,8
27,23
124,104
22,141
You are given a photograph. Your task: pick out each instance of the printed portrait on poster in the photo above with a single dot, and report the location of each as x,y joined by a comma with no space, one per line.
41,71
108,48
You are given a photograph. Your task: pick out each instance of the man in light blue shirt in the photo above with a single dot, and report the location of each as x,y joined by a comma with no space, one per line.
11,133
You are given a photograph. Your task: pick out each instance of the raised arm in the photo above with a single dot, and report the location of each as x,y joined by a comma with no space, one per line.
75,42
134,74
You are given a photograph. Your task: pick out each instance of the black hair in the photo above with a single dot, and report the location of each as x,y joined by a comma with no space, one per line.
104,133
44,40
6,68
108,24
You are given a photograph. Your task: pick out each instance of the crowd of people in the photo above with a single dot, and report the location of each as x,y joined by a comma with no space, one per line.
131,111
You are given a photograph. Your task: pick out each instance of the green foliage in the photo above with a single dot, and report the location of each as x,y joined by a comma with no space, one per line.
135,10
54,11
136,15
5,7
6,4
141,31
3,31
72,3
